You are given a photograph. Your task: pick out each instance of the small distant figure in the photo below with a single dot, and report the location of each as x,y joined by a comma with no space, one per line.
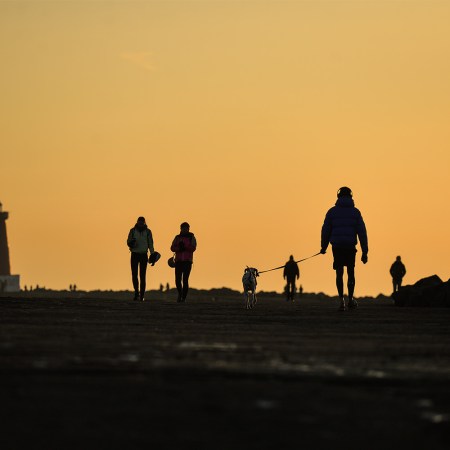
70,288
342,227
25,288
300,291
74,288
161,287
291,273
184,246
167,287
397,271
139,241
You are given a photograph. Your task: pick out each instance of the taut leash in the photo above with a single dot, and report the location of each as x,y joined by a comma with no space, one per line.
281,267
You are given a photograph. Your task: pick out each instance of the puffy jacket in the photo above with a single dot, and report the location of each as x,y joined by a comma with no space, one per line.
343,224
184,251
144,240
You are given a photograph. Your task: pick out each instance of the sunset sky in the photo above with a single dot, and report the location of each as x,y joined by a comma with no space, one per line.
242,118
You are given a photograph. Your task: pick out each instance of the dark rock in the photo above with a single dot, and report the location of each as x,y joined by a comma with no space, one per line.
429,291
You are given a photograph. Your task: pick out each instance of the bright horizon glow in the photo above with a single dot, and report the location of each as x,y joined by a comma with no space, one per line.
242,118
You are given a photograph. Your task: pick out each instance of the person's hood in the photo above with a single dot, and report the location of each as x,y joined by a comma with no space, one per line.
345,202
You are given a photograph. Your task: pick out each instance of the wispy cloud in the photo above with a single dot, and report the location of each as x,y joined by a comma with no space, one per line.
140,59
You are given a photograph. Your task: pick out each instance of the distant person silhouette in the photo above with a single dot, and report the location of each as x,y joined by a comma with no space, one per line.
139,241
342,227
291,273
184,246
397,271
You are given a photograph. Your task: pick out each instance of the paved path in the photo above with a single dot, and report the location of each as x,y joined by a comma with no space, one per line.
105,373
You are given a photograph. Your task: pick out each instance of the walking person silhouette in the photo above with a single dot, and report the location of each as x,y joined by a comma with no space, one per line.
397,271
342,227
291,273
139,241
184,246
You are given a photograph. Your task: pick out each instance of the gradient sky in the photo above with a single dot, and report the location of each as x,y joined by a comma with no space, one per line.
242,118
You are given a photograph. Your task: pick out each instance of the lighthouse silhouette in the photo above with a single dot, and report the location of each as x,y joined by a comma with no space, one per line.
8,282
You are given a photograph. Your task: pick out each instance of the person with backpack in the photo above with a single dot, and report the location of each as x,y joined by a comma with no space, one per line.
291,273
184,246
342,227
397,271
140,241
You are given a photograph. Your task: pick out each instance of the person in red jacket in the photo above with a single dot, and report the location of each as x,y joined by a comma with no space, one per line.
184,246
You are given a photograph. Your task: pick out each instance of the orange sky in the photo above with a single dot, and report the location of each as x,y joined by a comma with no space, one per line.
242,118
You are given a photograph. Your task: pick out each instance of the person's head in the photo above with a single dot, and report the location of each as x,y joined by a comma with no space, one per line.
398,258
184,227
291,258
344,191
140,222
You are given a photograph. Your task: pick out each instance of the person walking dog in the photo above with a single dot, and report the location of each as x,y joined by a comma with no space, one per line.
342,227
184,246
140,241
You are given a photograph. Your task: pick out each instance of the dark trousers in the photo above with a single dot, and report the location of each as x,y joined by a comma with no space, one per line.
182,272
139,261
397,283
290,288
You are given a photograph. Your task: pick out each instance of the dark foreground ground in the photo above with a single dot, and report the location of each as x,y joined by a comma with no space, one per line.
110,373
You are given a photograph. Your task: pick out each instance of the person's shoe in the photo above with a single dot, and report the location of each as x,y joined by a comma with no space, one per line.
352,304
342,306
179,300
136,297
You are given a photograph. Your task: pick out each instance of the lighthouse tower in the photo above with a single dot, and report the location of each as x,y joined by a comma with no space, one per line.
8,282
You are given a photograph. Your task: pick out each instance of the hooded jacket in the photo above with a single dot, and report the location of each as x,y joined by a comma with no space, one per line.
184,251
144,240
343,225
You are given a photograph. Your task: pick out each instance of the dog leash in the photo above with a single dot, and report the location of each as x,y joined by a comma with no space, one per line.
281,267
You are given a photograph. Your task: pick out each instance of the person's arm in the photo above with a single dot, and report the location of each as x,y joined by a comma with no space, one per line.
326,233
150,241
174,246
362,236
191,245
131,240
297,271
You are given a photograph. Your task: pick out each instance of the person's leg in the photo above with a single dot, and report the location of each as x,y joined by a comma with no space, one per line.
142,274
350,281
352,303
186,272
178,274
134,274
340,286
292,289
340,281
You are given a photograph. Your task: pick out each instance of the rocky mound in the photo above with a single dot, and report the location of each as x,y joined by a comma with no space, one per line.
429,291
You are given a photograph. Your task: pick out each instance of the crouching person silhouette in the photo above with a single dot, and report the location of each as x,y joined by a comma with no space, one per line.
139,241
342,227
184,246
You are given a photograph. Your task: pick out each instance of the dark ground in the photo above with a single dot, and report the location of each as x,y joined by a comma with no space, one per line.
111,373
